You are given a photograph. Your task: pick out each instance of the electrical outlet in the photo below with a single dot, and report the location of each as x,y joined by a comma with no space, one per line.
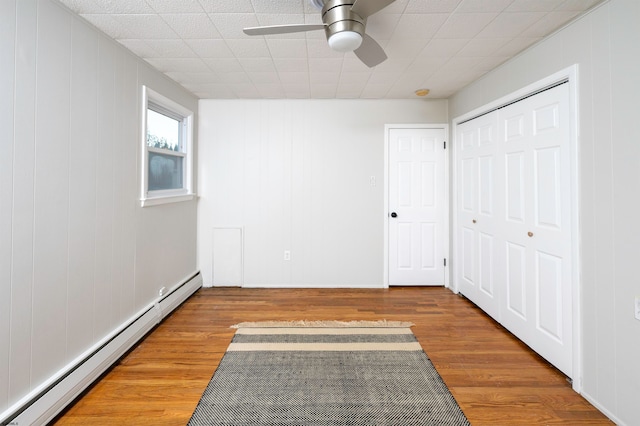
637,308
162,291
287,255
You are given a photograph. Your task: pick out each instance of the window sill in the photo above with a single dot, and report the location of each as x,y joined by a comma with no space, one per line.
166,199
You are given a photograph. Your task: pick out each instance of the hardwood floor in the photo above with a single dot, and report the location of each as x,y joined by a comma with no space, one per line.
496,379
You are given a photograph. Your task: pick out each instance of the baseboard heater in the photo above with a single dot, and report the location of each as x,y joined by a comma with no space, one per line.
44,403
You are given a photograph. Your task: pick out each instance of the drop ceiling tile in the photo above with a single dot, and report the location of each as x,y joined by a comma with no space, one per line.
431,6
257,64
510,24
259,77
227,6
249,48
323,91
427,66
397,65
223,65
230,25
443,47
278,6
110,26
287,48
244,90
186,78
354,78
419,26
398,48
375,91
84,6
291,64
146,26
211,91
192,25
351,63
297,91
470,6
325,64
171,49
234,78
126,6
171,6
397,7
465,25
483,47
378,77
271,91
319,48
139,48
210,48
533,5
552,21
294,78
324,77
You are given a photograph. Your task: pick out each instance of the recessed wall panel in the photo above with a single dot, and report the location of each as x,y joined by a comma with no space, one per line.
549,293
468,250
485,164
515,186
468,184
468,140
428,176
546,118
486,266
428,245
427,144
405,184
486,135
516,293
405,245
548,201
405,144
514,128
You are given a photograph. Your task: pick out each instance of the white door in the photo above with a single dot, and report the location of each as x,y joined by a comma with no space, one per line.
513,220
478,184
535,135
416,206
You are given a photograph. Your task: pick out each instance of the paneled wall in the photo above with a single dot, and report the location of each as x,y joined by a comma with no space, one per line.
305,176
606,46
78,255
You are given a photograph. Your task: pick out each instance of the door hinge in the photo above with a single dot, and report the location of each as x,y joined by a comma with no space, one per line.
445,144
445,262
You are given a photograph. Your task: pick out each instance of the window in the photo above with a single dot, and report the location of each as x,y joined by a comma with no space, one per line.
167,163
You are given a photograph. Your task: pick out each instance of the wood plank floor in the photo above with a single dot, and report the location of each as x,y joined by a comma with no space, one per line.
496,379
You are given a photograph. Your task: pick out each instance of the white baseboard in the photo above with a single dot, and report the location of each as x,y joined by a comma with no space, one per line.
319,285
602,409
42,405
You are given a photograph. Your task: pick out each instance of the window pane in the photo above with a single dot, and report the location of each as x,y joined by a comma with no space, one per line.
165,171
162,131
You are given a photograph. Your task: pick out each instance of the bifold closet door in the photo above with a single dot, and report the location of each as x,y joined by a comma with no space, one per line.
513,220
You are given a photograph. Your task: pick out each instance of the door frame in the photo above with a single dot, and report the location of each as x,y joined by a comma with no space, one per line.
570,76
447,190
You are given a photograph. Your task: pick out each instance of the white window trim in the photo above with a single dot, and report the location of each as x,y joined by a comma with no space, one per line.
153,198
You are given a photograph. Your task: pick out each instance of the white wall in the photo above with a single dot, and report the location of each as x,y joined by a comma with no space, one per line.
295,175
78,255
606,45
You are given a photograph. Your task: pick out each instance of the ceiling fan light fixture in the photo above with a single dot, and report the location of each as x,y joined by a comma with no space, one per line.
345,41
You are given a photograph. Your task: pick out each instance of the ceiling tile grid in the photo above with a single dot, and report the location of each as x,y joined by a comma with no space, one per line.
441,45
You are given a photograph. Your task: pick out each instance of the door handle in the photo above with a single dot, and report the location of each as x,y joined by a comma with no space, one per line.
394,214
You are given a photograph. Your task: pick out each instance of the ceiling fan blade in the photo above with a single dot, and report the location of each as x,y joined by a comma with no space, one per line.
370,52
366,8
282,29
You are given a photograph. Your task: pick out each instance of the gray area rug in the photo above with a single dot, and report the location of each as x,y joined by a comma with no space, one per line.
309,375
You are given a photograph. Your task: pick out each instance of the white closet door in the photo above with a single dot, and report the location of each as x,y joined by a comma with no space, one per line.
477,163
534,136
513,220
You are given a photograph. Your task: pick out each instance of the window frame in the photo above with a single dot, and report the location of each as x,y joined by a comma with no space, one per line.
173,110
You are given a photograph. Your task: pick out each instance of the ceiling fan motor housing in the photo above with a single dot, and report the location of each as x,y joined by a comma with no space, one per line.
338,17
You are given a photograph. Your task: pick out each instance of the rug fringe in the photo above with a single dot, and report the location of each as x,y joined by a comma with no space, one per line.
335,324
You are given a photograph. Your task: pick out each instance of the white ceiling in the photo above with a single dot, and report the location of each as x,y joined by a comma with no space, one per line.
442,45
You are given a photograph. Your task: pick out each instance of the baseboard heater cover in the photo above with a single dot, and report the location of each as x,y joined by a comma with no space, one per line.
41,406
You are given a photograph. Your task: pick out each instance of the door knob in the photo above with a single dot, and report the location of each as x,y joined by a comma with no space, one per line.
474,221
394,214
530,234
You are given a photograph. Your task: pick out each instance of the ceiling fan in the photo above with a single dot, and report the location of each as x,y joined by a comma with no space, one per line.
344,23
